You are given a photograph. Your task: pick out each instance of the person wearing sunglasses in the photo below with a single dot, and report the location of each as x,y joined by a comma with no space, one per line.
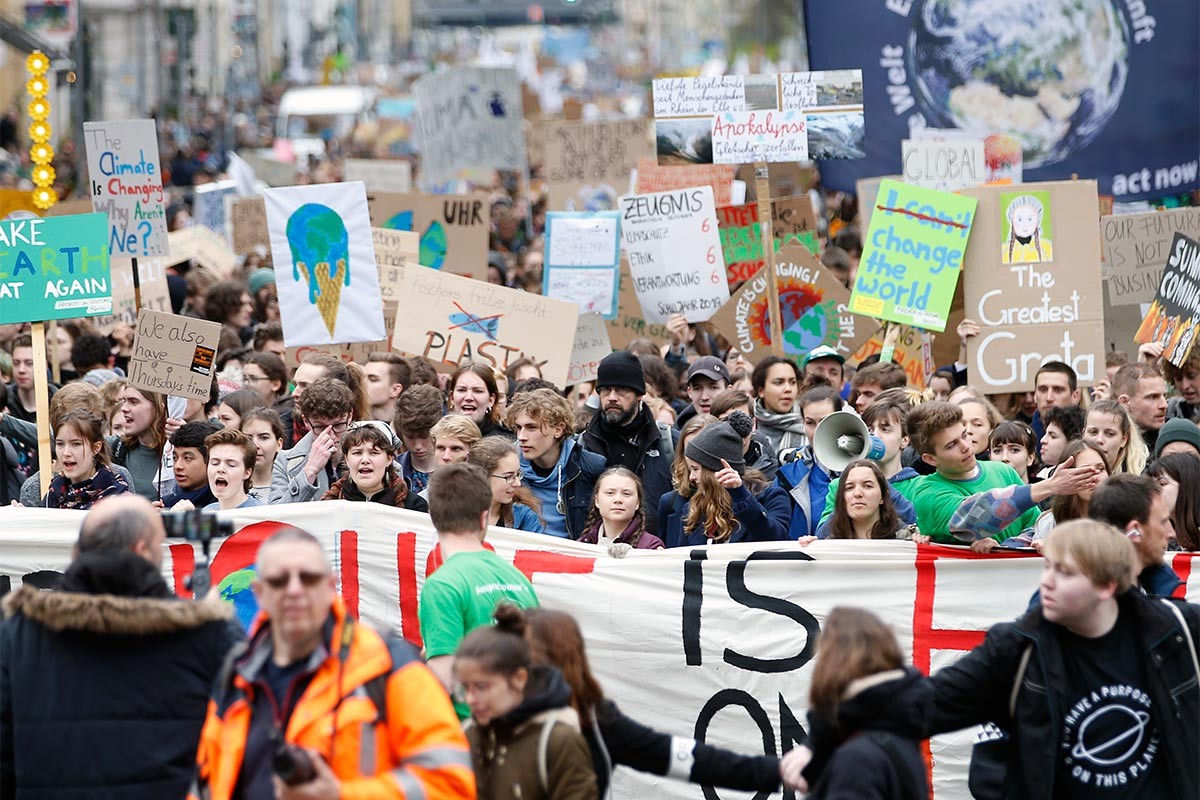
307,470
314,683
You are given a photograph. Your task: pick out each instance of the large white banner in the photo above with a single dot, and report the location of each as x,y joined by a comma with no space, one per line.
715,643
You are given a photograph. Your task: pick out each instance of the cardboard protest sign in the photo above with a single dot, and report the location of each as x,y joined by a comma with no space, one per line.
325,269
1175,311
591,345
126,184
909,354
248,224
587,165
200,245
792,221
582,257
674,252
912,255
152,274
208,204
380,174
174,355
813,305
451,320
653,178
1032,282
469,117
394,252
54,268
740,119
454,229
943,165
630,322
1136,247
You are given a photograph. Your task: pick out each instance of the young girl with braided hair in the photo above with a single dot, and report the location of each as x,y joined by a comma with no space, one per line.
1025,244
618,513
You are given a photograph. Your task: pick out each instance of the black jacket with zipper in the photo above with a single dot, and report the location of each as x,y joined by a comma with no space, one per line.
977,689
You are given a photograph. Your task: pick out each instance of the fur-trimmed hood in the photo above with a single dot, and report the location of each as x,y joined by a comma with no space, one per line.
107,614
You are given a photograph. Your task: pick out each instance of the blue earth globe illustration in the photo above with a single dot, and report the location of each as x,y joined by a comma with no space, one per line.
235,588
1050,72
807,332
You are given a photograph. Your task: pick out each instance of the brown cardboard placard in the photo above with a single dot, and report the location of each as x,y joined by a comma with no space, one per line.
451,320
811,301
1136,247
653,178
207,249
909,353
630,323
394,251
587,165
248,220
155,295
591,345
1030,313
454,228
174,354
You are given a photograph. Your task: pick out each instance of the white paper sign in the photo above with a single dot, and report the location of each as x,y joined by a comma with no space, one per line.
470,117
126,184
743,137
591,345
325,269
944,165
582,241
380,174
208,205
674,252
698,97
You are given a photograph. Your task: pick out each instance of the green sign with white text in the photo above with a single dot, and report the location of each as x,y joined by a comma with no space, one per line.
912,255
54,268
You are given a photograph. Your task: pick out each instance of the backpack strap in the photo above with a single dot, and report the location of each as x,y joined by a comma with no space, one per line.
543,754
1186,632
666,444
1016,687
910,789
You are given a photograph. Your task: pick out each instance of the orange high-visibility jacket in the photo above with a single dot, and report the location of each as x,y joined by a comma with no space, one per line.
415,748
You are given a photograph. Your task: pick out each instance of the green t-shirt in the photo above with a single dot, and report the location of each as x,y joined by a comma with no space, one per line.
461,596
936,498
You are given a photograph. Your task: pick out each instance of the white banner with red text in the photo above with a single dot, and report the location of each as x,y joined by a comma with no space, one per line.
713,643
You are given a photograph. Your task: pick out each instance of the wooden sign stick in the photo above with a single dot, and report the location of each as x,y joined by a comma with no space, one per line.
137,285
41,394
891,333
55,367
762,191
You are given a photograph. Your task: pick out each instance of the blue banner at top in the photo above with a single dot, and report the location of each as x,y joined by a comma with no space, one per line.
1104,89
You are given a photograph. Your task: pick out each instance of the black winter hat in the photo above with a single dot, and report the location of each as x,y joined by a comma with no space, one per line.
716,442
621,369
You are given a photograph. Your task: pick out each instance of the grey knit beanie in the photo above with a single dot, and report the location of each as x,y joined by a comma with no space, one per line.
716,442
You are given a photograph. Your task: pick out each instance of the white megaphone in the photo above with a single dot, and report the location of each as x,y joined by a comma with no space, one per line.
843,437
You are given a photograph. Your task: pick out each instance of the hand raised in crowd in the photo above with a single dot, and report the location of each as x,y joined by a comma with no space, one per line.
171,425
1101,390
1069,479
182,505
123,336
1150,352
966,329
728,476
677,325
324,445
323,787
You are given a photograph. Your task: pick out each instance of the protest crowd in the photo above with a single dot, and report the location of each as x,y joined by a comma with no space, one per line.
683,431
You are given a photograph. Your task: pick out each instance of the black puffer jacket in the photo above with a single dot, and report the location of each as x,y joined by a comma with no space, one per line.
104,685
865,758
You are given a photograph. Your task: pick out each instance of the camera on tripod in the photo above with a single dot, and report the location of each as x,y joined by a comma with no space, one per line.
197,526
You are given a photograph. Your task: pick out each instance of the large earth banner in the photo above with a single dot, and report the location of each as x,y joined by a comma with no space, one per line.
1104,89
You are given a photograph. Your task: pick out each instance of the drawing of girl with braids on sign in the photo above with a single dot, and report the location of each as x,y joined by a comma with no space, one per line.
1027,222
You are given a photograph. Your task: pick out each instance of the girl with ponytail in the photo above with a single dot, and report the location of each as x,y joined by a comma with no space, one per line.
524,734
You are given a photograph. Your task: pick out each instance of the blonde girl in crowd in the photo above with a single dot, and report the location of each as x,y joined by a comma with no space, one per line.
513,505
453,436
1110,427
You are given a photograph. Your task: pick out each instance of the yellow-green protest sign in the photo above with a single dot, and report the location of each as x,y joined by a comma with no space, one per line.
912,255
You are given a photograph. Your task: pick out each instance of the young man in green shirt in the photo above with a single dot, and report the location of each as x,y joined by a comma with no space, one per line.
462,594
982,502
